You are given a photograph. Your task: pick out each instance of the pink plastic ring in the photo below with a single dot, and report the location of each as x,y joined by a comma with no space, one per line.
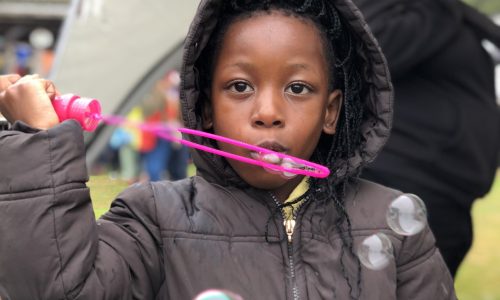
306,168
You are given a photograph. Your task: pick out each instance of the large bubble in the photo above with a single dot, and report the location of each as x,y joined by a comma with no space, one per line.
214,294
376,252
407,215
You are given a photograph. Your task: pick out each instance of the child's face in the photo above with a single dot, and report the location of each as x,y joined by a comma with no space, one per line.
270,89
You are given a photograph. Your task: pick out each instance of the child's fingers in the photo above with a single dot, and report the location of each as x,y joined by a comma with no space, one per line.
29,100
8,80
45,85
28,77
50,89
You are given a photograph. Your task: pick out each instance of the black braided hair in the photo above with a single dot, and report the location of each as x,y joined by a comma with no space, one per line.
341,47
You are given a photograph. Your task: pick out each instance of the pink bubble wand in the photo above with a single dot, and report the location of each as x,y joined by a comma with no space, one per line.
88,113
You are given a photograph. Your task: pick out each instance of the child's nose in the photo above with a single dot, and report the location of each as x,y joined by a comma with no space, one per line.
268,112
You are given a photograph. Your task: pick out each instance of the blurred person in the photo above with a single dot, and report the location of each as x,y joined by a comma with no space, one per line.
127,140
153,148
107,162
164,157
23,53
178,159
445,139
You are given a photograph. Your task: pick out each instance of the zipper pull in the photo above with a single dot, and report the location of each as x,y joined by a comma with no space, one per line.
289,226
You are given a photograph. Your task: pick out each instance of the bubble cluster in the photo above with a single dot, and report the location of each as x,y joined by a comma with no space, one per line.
406,215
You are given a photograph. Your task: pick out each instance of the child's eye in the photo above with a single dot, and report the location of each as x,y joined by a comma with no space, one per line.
298,88
240,87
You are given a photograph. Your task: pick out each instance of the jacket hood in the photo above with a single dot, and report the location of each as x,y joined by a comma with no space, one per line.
377,98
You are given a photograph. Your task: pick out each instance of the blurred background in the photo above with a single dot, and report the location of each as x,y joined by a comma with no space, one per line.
127,54
95,48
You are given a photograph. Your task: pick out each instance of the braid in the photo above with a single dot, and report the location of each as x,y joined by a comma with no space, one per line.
341,49
346,140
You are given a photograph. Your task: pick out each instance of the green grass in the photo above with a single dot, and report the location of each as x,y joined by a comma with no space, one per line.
478,277
103,190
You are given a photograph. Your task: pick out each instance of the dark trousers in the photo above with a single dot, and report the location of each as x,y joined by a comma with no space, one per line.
450,221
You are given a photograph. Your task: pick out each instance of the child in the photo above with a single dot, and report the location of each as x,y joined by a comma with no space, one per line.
301,77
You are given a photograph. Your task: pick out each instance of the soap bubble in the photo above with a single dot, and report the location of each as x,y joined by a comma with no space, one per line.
375,252
407,215
271,158
289,164
274,159
218,295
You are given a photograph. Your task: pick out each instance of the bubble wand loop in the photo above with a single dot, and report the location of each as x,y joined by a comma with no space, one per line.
88,113
301,167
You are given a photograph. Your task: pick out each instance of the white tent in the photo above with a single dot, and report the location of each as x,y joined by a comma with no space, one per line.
115,50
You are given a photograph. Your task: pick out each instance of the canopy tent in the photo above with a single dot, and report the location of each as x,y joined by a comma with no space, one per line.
116,50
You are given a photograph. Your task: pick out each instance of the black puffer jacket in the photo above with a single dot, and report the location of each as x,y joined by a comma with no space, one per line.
173,240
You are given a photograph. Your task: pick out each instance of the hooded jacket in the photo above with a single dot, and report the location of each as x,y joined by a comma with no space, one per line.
173,240
446,133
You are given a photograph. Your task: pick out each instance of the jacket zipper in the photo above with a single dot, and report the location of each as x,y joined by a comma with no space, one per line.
289,225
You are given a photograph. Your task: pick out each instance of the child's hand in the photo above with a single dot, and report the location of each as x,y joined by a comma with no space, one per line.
8,80
28,99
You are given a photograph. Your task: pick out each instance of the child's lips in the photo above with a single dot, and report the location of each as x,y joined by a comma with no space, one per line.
273,146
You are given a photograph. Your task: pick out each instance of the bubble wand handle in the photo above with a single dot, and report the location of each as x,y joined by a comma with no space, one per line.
83,110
